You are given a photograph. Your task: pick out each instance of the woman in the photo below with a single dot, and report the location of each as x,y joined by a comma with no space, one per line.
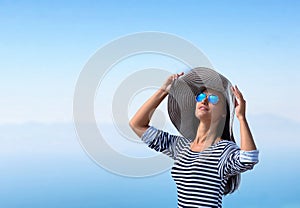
207,162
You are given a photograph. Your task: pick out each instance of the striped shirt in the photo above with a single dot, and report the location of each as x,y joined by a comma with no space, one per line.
200,177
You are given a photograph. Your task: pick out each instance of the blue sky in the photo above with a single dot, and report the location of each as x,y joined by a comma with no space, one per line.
49,42
45,45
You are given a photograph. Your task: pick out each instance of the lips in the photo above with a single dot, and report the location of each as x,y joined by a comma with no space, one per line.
203,108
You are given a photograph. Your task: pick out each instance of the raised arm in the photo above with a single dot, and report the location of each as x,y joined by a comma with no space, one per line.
247,141
140,121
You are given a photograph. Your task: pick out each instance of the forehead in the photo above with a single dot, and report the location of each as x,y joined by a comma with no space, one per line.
211,91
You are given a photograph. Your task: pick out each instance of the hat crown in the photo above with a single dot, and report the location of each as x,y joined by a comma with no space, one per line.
181,101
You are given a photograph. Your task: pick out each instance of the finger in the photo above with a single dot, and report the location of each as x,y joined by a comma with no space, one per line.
234,91
238,99
179,75
240,95
235,103
238,91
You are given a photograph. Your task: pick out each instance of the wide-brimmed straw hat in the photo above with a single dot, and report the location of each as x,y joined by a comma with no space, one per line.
182,103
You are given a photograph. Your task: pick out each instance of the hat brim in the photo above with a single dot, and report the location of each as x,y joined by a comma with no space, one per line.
181,100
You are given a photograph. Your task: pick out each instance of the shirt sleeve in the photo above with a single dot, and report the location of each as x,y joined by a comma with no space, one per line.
161,141
235,161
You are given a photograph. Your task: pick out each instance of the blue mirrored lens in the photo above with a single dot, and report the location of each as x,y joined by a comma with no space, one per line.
213,99
200,97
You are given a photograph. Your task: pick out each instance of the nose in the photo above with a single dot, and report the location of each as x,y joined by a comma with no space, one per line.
205,100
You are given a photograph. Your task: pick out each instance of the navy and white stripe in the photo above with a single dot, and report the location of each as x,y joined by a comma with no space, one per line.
200,177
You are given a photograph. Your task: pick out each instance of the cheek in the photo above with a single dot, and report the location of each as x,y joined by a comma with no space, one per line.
218,110
196,109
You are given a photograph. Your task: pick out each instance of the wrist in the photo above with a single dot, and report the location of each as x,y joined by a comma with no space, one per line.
163,91
242,119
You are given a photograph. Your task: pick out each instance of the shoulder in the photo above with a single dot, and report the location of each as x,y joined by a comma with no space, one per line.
228,146
153,132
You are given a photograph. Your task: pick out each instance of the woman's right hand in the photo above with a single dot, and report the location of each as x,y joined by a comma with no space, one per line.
168,83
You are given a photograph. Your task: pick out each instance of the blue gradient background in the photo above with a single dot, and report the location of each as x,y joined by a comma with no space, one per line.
44,46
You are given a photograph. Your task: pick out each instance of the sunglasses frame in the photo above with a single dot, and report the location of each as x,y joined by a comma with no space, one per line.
208,98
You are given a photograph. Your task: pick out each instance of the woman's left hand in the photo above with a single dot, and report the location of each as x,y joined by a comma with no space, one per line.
240,103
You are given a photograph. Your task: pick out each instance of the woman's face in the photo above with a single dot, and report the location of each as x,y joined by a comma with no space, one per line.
206,111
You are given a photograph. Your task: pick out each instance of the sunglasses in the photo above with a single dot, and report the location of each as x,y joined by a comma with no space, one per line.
213,99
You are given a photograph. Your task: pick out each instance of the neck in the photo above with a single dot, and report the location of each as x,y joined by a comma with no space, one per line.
207,132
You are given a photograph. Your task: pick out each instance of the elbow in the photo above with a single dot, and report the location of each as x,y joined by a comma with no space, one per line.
136,128
249,156
132,124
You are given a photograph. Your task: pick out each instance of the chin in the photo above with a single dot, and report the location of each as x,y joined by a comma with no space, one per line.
201,116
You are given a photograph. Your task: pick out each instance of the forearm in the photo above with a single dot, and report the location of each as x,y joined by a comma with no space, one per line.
247,141
140,121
